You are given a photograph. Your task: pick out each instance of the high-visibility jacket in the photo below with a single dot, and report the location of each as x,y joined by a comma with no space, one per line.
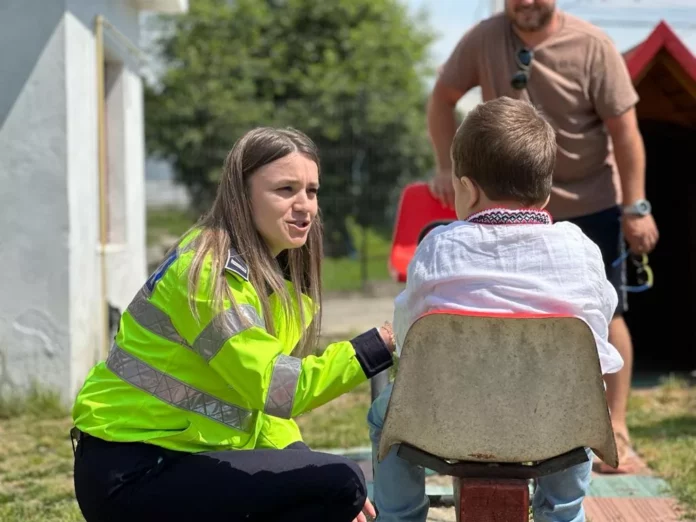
204,385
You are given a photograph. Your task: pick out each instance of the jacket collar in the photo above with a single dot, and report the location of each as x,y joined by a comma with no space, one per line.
236,264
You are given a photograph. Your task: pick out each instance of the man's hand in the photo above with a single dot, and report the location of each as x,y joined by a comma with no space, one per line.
640,233
441,188
369,509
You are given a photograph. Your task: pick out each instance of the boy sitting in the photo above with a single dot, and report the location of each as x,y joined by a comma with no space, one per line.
502,255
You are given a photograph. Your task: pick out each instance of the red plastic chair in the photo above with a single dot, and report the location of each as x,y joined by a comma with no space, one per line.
417,209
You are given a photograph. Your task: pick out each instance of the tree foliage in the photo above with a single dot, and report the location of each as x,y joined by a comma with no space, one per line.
349,73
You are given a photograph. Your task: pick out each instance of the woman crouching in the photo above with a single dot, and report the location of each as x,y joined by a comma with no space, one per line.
190,417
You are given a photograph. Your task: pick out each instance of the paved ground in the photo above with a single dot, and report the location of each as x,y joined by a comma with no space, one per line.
354,315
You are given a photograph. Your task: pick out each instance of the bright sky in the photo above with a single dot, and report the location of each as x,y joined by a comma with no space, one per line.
625,21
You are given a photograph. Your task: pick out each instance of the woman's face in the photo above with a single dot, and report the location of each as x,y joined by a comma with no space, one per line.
284,201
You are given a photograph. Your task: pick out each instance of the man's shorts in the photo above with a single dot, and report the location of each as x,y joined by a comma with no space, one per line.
604,228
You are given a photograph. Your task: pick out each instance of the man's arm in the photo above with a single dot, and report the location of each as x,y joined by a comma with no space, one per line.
442,124
441,127
630,154
456,77
615,99
629,151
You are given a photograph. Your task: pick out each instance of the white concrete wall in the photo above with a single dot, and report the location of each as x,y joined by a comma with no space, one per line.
51,323
116,100
126,262
34,254
83,191
125,255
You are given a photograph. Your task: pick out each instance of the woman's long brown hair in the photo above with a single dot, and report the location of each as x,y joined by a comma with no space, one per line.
229,223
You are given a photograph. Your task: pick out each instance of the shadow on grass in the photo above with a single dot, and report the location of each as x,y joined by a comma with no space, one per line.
662,424
669,428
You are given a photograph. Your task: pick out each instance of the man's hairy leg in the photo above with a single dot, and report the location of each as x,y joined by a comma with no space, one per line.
619,384
618,391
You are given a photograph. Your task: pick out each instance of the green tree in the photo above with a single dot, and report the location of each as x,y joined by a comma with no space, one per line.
349,73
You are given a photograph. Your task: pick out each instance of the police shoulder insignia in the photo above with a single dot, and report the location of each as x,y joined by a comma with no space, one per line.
236,264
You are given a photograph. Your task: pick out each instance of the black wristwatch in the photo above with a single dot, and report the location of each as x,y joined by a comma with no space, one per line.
642,207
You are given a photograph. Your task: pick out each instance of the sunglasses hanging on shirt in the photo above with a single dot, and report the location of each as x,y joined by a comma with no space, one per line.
644,273
523,58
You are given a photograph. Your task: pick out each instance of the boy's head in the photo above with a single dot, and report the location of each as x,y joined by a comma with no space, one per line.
503,154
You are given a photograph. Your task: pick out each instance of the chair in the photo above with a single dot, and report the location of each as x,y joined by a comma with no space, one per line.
497,400
417,210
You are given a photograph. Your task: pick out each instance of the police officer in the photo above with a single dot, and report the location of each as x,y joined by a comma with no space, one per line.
190,416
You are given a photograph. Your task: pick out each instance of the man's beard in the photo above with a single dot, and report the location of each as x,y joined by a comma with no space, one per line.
531,19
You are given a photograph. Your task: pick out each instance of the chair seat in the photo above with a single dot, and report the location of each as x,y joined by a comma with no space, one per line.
507,389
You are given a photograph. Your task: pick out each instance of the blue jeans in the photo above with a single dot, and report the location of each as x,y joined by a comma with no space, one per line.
399,486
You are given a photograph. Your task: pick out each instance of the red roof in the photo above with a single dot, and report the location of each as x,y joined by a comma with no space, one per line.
662,37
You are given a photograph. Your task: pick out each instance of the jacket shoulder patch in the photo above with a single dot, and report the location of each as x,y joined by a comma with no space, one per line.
236,264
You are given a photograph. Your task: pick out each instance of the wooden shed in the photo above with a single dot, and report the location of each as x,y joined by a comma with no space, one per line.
662,320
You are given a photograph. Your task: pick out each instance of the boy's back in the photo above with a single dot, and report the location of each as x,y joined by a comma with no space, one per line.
503,255
510,261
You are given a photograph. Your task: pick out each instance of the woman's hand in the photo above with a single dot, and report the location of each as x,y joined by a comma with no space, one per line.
387,335
368,509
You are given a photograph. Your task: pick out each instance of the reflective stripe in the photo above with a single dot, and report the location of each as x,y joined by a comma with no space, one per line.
174,392
152,318
223,327
209,342
281,393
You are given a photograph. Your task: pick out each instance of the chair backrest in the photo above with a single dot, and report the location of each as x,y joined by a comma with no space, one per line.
417,208
499,388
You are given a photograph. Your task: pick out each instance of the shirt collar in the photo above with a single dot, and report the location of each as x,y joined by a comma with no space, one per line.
506,216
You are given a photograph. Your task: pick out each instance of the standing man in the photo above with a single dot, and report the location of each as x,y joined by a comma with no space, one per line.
572,72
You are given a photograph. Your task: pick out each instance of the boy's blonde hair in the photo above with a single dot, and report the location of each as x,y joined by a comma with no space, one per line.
508,149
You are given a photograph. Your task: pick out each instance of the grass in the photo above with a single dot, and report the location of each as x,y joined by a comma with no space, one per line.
340,423
35,460
663,428
36,471
339,274
36,453
37,402
169,222
346,274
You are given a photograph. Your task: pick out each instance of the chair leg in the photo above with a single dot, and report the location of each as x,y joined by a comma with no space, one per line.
491,500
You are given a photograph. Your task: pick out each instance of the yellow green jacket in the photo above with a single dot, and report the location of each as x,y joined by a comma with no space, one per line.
202,385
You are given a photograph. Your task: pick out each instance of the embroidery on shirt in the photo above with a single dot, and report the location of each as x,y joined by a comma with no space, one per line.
505,216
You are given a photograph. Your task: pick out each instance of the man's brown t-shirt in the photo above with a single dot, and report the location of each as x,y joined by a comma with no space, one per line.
577,79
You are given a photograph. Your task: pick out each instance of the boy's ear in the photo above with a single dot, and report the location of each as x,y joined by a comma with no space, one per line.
548,198
473,190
